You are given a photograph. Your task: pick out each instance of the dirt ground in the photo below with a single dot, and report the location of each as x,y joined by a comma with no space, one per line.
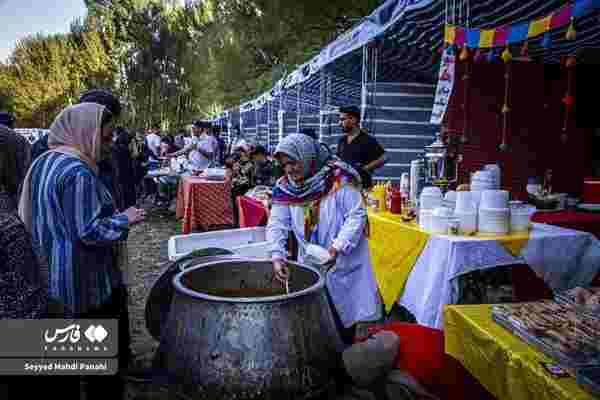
148,257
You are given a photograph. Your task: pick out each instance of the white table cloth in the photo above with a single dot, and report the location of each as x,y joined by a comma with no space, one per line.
564,258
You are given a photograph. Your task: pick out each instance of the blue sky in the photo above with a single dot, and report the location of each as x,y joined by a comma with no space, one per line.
21,18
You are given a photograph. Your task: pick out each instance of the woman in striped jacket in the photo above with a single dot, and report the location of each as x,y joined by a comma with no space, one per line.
73,219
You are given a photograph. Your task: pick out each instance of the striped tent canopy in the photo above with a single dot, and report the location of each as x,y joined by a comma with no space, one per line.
410,50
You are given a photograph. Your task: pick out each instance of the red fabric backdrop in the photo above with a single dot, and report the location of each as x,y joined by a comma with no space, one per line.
535,124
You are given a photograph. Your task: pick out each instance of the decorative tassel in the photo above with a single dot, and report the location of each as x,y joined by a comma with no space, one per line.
547,42
478,55
525,50
568,100
571,32
506,109
507,55
464,54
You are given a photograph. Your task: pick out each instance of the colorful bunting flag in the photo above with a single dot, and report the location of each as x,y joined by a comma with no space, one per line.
520,32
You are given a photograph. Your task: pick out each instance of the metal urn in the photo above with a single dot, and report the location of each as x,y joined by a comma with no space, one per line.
441,164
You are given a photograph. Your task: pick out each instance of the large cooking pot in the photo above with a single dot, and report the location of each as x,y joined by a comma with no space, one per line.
160,297
265,345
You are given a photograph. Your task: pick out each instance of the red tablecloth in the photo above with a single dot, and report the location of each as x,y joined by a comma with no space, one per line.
578,220
202,203
252,212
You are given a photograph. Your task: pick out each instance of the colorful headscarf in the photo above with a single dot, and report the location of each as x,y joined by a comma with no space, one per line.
76,131
323,172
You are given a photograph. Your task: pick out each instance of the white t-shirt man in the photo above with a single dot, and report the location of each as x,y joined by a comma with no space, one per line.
207,144
153,143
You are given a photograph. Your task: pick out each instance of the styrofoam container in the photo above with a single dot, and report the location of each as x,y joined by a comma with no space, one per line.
241,240
494,221
432,191
488,185
450,196
520,218
442,212
439,224
495,169
494,199
483,176
429,202
467,222
425,219
476,197
465,203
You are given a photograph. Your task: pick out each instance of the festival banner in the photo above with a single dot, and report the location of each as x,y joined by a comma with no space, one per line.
444,87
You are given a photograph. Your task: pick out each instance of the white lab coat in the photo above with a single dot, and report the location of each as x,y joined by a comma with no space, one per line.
342,218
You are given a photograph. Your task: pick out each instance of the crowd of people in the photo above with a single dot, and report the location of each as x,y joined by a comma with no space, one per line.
68,202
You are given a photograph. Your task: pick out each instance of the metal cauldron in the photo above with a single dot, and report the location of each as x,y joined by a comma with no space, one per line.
277,346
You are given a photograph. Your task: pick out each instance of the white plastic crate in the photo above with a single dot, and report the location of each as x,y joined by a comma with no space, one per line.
246,242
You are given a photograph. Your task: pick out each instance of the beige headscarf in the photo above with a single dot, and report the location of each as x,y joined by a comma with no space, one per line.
76,131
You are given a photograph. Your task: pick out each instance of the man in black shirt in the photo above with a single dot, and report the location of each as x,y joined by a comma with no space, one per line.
357,147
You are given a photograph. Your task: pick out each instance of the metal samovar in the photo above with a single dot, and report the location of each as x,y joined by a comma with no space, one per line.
441,164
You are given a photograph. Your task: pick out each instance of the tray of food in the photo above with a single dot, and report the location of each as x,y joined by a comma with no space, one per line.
585,300
556,329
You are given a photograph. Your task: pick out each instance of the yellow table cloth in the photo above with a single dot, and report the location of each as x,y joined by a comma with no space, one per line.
513,243
395,247
505,365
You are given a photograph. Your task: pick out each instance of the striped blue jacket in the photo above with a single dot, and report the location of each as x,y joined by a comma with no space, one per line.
75,225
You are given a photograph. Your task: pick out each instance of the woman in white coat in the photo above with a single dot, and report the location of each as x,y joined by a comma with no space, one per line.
319,199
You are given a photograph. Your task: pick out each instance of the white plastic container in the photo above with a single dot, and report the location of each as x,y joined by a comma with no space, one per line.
246,242
494,199
494,221
431,197
465,203
520,218
432,191
430,202
476,197
439,225
425,219
467,222
439,220
495,170
450,199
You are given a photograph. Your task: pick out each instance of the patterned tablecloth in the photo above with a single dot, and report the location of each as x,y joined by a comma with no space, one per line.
203,203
